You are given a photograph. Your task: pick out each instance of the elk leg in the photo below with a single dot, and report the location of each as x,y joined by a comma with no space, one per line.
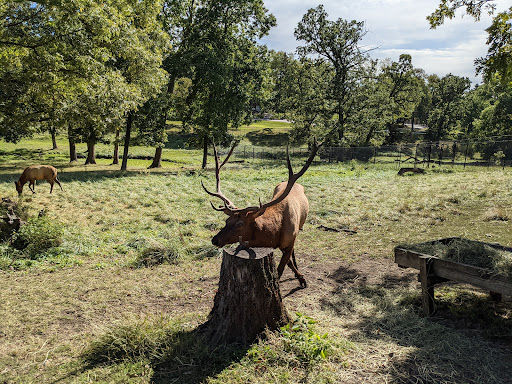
293,258
31,187
292,264
58,182
288,259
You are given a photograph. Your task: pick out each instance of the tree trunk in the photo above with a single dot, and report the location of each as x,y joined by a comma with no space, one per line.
72,151
205,152
248,299
157,159
54,138
129,121
91,152
115,159
368,137
341,123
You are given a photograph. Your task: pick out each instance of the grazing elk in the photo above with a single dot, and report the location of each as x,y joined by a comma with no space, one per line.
274,224
37,172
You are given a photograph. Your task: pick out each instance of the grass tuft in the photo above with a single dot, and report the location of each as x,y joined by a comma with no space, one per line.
495,214
153,253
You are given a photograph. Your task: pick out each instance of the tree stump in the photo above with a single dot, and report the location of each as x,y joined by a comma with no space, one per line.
11,222
248,299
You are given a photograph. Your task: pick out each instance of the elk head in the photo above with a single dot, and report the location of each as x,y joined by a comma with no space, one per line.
241,223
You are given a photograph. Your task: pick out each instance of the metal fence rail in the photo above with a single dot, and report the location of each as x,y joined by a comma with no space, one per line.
464,153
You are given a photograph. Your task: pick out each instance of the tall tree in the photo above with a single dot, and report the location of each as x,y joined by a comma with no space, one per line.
499,55
150,122
218,51
447,105
139,58
307,98
491,112
403,88
336,42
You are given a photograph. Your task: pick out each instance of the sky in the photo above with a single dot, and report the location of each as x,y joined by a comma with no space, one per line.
395,27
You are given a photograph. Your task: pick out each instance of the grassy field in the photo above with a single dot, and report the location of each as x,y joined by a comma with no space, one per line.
263,133
118,300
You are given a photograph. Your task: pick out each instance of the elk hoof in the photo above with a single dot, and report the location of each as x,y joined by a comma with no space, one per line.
302,282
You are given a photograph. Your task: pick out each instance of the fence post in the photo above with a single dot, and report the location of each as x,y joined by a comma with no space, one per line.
454,148
429,154
399,155
374,154
416,155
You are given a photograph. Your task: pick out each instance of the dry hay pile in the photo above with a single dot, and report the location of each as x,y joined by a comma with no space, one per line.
469,252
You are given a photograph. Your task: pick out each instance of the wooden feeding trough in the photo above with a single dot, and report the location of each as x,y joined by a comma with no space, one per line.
435,270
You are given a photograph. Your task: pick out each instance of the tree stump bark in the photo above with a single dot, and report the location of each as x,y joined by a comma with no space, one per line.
248,299
11,222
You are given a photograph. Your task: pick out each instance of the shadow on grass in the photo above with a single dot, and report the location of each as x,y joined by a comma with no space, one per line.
175,356
23,153
464,345
177,140
267,138
68,173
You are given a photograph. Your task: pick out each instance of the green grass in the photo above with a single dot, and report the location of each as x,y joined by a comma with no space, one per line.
120,297
263,133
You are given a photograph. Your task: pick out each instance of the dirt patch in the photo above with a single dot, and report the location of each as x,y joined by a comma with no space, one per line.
325,277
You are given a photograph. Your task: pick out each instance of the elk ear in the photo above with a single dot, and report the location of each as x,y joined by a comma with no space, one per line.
252,215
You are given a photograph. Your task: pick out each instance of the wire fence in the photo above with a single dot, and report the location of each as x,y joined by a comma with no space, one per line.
443,153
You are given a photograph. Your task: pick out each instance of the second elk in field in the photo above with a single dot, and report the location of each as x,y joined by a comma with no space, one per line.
37,172
275,224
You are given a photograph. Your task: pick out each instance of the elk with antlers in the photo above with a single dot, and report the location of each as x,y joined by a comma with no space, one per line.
274,224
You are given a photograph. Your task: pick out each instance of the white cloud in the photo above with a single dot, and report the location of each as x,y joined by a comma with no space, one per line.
395,27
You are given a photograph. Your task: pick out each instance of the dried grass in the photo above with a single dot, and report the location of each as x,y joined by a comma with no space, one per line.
495,214
469,252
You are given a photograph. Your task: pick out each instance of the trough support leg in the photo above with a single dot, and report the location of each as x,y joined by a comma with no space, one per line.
427,286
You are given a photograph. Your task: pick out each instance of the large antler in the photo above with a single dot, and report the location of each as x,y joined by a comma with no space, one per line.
292,178
227,203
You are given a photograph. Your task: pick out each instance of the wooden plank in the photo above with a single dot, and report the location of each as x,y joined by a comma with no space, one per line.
407,258
427,285
478,277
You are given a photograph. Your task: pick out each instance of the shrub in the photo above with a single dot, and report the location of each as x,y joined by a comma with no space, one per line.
38,235
153,252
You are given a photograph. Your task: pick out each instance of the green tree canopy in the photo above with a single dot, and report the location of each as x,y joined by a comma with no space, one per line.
447,106
336,43
85,63
499,54
215,46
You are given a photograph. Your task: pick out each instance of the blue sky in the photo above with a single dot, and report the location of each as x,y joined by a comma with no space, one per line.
395,27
